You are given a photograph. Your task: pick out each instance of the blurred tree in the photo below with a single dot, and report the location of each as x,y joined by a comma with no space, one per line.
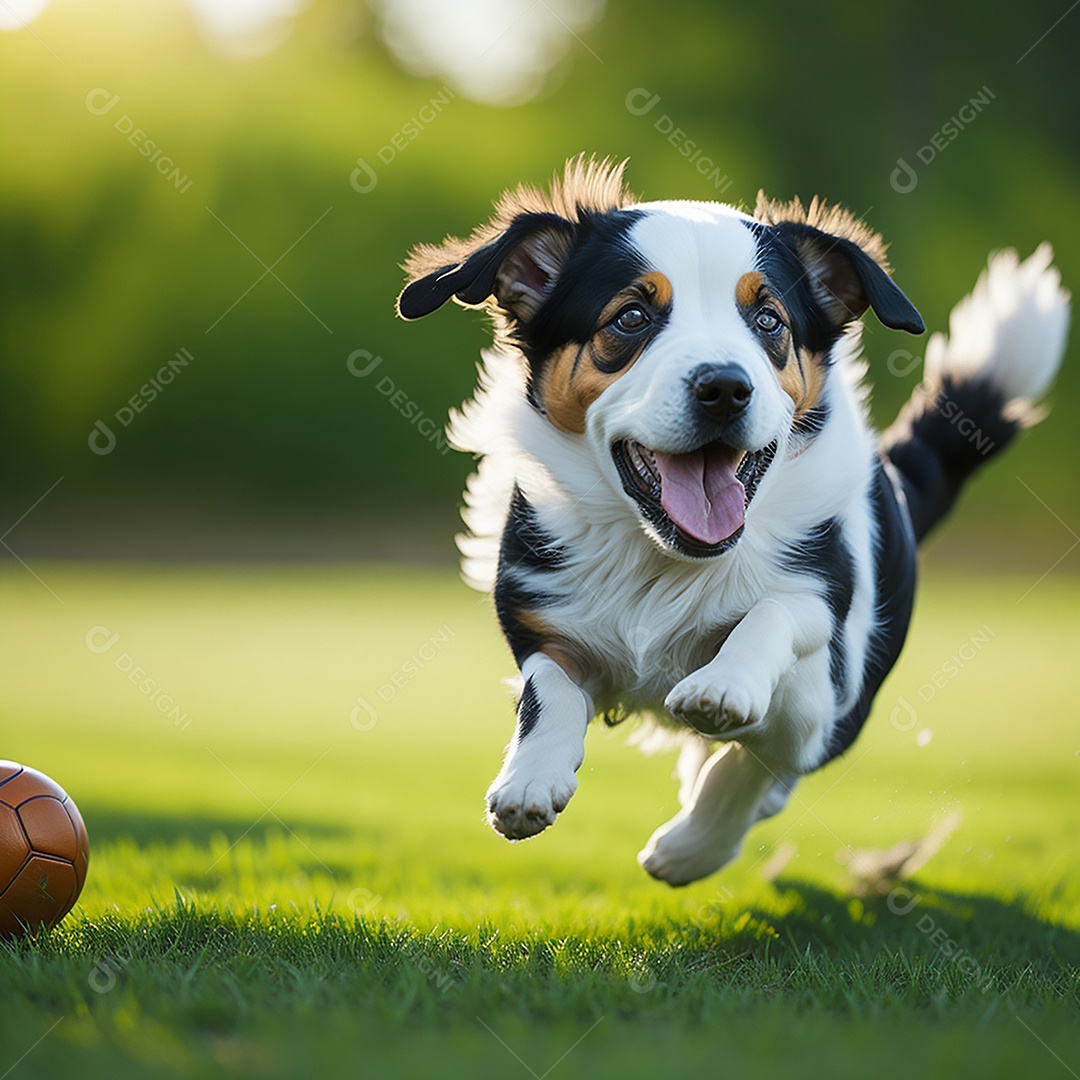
254,212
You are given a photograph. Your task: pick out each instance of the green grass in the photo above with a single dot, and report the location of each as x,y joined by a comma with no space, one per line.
277,891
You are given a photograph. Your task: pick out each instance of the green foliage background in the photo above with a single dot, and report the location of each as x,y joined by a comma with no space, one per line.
108,270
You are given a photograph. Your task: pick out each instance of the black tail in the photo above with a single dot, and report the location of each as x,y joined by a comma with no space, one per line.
1005,345
942,435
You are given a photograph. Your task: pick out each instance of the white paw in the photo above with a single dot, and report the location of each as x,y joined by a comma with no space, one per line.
716,703
681,852
520,805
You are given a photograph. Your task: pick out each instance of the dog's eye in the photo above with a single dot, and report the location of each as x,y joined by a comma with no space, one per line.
768,321
631,320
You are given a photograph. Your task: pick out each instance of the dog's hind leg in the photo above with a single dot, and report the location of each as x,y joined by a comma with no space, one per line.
694,753
538,777
733,791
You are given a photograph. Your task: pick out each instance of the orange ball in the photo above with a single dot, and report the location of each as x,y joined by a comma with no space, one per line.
44,850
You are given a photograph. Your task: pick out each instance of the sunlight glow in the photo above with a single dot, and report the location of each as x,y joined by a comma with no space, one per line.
244,28
15,14
496,51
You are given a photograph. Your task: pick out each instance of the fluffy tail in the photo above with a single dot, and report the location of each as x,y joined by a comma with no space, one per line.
981,383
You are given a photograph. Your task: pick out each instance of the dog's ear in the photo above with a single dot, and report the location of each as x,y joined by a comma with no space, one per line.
845,280
514,261
518,267
844,263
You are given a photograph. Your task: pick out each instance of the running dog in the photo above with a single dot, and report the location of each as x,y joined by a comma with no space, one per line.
680,505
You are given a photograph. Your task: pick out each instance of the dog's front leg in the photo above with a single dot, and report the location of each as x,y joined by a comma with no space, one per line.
734,690
538,774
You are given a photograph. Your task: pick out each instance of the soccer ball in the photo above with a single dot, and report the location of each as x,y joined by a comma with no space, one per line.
44,850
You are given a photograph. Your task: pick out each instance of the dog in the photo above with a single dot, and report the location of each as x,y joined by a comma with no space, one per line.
680,505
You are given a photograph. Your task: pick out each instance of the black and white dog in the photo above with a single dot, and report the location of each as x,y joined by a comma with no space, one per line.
680,504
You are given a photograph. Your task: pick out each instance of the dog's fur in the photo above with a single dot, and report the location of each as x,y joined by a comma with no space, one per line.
680,505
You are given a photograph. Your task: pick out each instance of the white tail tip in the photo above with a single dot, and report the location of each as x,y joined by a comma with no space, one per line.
1010,329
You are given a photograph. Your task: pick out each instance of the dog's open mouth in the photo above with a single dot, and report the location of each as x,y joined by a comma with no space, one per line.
695,502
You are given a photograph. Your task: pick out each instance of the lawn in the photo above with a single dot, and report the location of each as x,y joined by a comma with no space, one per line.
290,875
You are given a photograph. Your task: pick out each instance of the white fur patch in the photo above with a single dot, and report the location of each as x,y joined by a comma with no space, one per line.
538,778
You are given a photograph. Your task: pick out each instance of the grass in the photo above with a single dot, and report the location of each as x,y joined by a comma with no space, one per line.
285,883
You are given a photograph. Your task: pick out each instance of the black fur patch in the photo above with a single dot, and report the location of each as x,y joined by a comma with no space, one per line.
895,578
793,282
940,438
473,280
525,552
825,555
787,278
528,709
601,264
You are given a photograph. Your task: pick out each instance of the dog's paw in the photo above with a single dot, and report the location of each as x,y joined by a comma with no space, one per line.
682,851
716,703
520,806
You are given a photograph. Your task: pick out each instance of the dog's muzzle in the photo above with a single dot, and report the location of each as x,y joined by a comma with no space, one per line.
695,503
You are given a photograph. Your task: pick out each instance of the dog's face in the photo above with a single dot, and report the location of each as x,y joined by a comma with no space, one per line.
686,342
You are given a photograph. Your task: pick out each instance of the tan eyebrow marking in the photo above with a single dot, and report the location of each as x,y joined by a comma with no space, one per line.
802,375
748,287
569,383
656,288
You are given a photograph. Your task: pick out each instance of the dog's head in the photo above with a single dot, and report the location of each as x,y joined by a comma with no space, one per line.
685,341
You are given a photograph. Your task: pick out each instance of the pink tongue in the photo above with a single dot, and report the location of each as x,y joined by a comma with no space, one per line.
700,493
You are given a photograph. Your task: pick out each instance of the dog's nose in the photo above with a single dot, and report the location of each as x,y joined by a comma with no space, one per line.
722,390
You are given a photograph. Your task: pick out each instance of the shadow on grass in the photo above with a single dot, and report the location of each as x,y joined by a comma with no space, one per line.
940,926
109,825
217,844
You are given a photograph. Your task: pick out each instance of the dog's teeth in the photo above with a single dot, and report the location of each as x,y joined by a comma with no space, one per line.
644,462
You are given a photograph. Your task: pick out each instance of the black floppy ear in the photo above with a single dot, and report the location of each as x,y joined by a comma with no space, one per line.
845,281
518,267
